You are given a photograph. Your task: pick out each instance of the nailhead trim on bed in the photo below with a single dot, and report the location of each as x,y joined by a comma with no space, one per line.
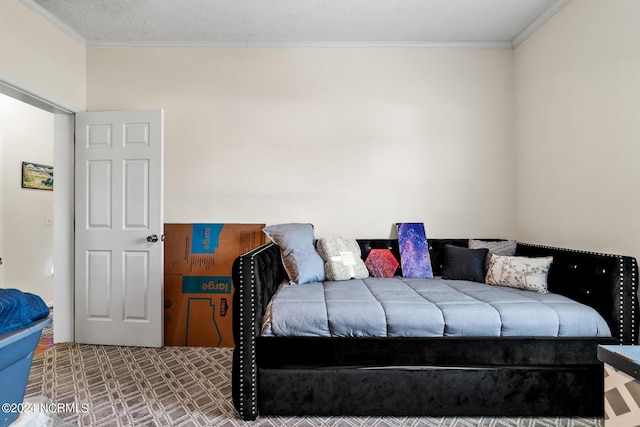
634,293
621,275
252,367
254,409
241,330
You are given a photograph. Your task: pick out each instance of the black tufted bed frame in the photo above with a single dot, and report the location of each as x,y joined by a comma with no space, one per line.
515,376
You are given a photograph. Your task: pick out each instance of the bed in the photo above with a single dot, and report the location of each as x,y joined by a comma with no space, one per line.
430,376
23,316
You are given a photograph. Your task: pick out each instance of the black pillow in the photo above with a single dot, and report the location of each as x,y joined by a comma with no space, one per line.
464,264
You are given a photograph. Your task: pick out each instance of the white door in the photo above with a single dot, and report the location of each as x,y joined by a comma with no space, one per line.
119,227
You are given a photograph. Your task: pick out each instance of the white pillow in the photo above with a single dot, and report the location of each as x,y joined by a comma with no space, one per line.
519,272
342,258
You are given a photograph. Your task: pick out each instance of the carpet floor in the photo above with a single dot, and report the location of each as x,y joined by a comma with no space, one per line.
90,385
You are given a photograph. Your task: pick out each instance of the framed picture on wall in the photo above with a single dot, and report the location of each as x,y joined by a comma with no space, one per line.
37,176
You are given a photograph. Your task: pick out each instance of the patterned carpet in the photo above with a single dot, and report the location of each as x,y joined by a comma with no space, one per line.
88,385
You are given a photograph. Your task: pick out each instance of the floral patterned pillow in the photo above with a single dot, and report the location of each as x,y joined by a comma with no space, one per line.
519,272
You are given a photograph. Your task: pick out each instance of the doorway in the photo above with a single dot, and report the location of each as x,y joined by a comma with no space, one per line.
61,265
26,218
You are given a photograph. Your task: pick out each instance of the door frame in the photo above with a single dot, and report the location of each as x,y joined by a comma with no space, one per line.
63,198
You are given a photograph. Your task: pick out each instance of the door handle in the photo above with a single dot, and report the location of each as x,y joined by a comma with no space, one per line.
153,238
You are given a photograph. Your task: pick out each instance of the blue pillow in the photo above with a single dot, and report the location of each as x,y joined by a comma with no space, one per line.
301,261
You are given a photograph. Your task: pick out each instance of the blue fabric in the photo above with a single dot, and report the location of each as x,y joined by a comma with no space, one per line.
19,309
301,261
402,307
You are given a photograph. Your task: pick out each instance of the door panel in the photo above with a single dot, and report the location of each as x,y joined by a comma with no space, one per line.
136,285
99,194
136,183
98,284
119,272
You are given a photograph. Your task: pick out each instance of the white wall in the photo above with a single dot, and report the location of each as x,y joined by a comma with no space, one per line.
28,241
352,140
38,56
578,129
39,59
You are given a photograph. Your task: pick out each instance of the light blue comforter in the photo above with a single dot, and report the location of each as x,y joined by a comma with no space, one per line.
399,307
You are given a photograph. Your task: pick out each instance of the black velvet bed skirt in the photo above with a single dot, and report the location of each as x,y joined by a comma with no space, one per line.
481,391
430,376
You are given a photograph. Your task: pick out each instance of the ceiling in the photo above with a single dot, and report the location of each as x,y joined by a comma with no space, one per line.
265,23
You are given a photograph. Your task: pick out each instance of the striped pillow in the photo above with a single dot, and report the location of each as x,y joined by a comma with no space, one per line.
502,247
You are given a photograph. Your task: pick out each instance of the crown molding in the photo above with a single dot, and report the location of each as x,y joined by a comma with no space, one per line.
306,45
538,22
515,42
31,4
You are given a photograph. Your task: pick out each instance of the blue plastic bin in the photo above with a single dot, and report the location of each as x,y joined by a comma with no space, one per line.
16,354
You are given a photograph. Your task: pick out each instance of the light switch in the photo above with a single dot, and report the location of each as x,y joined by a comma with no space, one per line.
48,220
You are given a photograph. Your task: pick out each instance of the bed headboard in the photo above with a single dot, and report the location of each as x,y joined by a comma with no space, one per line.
436,250
606,282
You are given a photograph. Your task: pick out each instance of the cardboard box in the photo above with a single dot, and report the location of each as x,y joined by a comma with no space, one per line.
198,288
